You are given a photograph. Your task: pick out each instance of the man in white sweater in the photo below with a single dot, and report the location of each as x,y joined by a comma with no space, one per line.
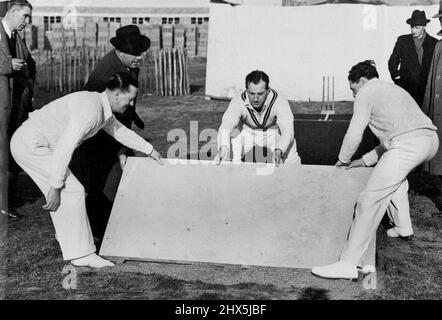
267,122
407,138
43,148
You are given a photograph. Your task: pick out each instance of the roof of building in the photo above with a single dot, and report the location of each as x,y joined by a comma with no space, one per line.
120,3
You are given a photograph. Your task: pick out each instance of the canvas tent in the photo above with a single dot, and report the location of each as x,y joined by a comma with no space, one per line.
299,45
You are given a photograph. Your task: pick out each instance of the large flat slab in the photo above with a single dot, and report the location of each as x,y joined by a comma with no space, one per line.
297,216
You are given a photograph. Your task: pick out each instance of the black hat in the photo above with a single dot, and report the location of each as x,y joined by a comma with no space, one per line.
129,40
418,18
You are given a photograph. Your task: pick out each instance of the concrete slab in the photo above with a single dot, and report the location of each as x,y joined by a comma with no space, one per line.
195,211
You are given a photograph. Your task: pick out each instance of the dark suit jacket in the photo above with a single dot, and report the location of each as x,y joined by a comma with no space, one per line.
22,83
92,161
404,62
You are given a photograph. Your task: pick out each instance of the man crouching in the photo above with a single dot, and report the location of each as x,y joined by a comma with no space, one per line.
43,145
267,122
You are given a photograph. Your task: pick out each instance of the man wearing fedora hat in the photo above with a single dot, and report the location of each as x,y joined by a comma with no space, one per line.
432,105
410,61
98,162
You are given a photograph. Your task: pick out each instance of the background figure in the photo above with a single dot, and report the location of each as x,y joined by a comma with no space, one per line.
3,7
410,61
432,105
23,73
98,162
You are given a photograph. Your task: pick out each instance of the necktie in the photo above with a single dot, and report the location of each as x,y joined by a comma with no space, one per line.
13,44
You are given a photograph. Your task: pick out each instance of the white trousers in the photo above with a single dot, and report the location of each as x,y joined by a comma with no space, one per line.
244,142
387,191
33,155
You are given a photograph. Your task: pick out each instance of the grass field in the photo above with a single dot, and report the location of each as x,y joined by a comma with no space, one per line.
407,269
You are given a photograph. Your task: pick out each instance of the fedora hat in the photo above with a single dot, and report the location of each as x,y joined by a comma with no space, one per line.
129,40
418,18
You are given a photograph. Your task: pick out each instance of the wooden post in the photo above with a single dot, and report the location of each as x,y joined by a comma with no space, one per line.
179,71
69,68
51,70
87,59
175,71
165,73
74,69
161,64
94,52
169,57
60,78
186,73
47,66
154,55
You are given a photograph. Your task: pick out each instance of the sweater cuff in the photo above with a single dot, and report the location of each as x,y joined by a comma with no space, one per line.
56,183
370,158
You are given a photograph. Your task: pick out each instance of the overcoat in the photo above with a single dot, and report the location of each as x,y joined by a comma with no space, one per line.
95,162
432,105
404,62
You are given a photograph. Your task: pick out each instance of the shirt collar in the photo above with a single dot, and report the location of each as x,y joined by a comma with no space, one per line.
107,110
369,82
7,30
266,103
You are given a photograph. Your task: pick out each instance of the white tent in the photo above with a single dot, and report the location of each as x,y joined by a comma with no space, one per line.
299,45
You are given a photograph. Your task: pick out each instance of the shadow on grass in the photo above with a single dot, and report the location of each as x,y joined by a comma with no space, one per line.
314,294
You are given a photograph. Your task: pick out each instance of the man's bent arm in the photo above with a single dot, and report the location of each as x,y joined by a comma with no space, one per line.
127,137
355,131
230,119
284,120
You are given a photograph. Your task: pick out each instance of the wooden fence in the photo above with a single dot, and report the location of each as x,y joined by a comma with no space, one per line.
192,37
67,69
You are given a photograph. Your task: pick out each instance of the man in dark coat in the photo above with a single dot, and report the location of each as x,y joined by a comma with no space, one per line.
410,61
23,73
432,107
98,162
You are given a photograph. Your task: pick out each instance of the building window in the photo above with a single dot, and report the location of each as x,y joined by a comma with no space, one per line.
140,20
200,20
48,21
112,19
206,19
193,20
170,20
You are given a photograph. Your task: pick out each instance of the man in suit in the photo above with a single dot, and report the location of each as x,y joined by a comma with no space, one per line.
410,61
23,72
98,163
